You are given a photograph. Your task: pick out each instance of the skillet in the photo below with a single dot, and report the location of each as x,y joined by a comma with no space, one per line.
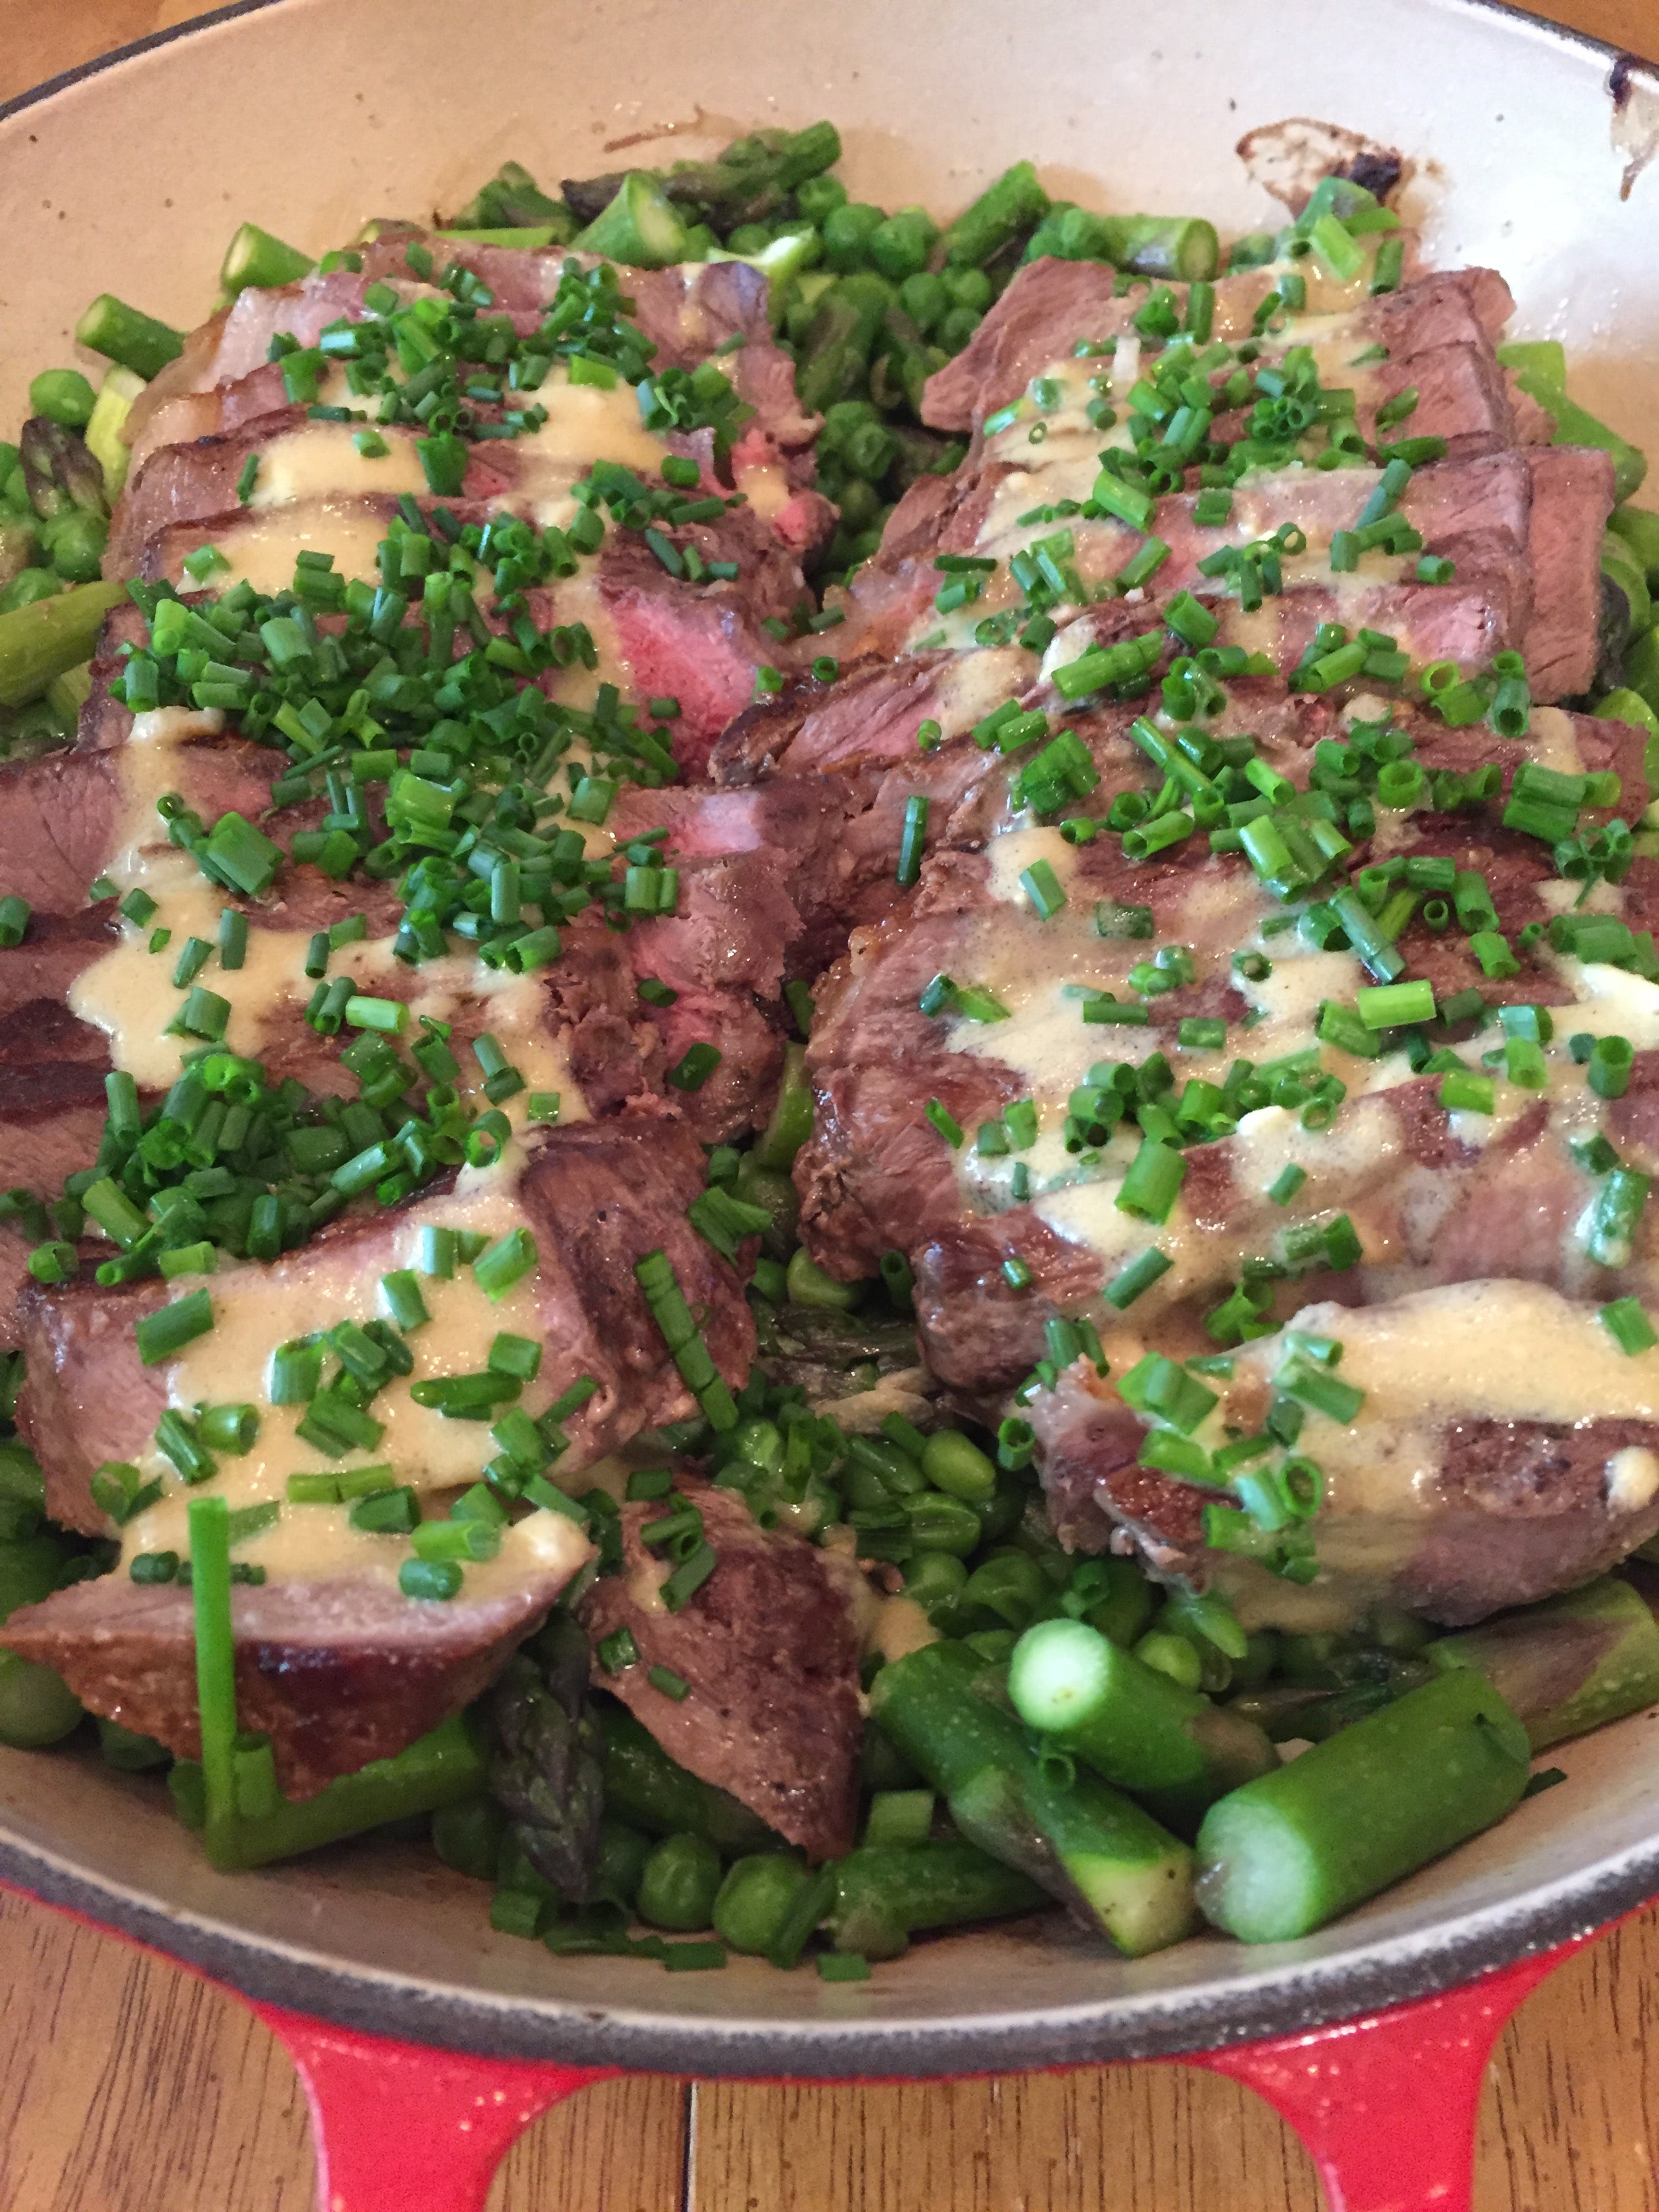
308,115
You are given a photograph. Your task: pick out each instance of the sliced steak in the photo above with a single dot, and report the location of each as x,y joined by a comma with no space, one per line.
1439,330
335,1672
597,1197
768,1651
1572,496
1450,1494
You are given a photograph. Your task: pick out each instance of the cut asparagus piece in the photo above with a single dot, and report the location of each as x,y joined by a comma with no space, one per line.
1132,1724
255,256
884,1893
121,333
1291,1850
116,394
1568,1665
1086,1843
40,641
643,1784
640,226
1182,247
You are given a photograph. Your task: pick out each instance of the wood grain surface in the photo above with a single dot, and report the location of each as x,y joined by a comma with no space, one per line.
127,2085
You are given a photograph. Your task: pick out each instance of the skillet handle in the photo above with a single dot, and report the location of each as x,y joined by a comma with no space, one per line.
395,2125
1387,2103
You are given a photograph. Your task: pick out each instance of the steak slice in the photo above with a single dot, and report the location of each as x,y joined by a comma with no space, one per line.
1052,305
1452,1497
597,1197
337,1672
769,1650
1572,496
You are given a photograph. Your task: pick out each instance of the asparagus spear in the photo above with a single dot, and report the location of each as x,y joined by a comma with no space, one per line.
245,1820
1535,369
1016,202
121,333
1130,1723
255,256
1182,247
40,642
886,1892
749,180
1290,1851
644,1785
1115,1867
512,200
639,226
1569,1664
116,394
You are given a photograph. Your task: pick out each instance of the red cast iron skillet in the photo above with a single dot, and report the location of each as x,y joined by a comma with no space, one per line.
308,116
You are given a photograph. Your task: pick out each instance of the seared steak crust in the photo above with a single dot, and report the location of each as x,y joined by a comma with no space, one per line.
768,1651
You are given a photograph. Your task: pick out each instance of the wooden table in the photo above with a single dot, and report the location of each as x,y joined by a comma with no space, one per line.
127,2086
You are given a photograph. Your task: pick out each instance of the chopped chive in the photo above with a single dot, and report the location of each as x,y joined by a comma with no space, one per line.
1141,1272
505,1263
1629,1326
400,1292
616,1652
162,1334
1286,1183
435,1579
1044,889
913,840
438,1251
944,1122
670,1684
1391,1005
694,1068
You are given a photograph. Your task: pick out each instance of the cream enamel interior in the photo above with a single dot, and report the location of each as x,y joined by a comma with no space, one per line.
404,104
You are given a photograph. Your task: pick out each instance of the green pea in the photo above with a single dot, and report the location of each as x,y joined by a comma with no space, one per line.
848,230
24,589
900,246
64,395
1172,1655
749,238
819,197
1000,1514
469,1836
950,1463
955,327
808,1285
1120,1600
924,299
935,1579
939,1523
76,544
753,1900
37,1707
969,287
860,503
127,1750
9,460
29,1571
996,1644
680,1883
15,489
1012,1585
619,1864
700,242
